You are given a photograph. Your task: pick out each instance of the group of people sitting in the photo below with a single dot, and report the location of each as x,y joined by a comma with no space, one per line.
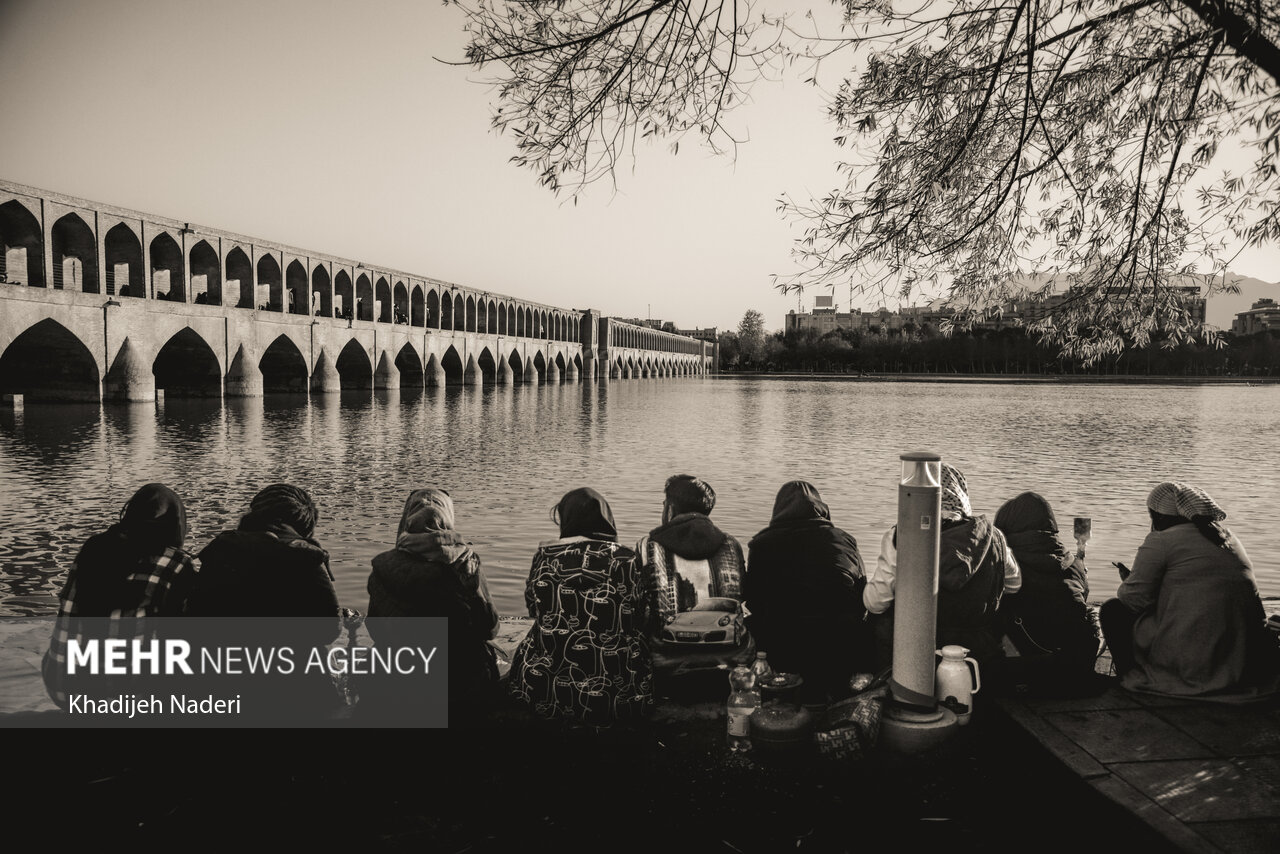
1187,621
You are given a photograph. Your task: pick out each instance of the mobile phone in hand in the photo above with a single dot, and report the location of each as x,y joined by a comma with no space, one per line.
1124,570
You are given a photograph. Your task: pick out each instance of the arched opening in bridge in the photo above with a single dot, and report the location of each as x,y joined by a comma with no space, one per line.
344,300
520,323
517,366
186,367
488,367
560,364
502,318
540,365
409,363
482,316
577,364
124,262
321,293
471,315
240,278
400,297
270,296
297,293
417,315
383,296
543,331
446,312
354,367
21,246
166,269
75,255
283,368
364,298
206,278
493,318
47,362
433,310
452,364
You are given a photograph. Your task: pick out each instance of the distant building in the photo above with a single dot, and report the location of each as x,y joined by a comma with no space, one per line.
1263,316
709,334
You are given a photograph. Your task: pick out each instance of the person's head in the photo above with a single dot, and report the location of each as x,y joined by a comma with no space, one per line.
427,510
955,494
155,518
685,493
281,505
799,500
1175,503
1026,512
583,512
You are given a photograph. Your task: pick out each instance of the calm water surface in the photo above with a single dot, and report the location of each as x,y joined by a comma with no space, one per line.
507,454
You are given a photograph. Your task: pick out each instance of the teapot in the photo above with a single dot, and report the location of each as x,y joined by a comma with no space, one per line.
957,679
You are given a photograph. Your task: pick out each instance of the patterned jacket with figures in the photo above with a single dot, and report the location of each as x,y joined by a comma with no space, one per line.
585,657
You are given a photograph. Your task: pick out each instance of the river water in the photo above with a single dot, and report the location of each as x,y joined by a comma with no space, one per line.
506,455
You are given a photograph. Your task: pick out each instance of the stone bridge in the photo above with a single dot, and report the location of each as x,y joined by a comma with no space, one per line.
104,303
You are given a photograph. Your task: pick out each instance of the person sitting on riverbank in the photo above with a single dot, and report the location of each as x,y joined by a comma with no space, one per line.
134,570
271,566
1049,620
1187,620
976,569
586,658
691,558
803,588
431,572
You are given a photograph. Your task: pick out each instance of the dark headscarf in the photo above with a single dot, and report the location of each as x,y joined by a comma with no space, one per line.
153,520
426,527
583,512
955,494
798,501
281,505
1027,522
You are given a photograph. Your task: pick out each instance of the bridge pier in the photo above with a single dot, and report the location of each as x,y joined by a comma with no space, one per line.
505,374
553,373
530,372
387,375
433,374
472,375
325,378
130,378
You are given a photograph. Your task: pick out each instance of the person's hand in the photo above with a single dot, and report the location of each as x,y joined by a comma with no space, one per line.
1124,570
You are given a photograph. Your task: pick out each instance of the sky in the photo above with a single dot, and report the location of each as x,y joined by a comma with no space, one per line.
335,127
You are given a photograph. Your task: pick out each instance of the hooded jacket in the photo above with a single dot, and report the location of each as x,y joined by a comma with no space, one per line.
693,537
973,562
803,587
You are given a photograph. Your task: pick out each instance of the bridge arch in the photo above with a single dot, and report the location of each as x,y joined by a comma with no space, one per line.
382,296
297,293
206,274
540,367
21,246
433,309
471,315
354,367
283,367
48,362
417,316
321,304
269,279
482,317
75,255
517,365
166,269
124,262
364,298
344,295
446,312
410,366
186,366
494,319
488,367
451,362
400,303
240,271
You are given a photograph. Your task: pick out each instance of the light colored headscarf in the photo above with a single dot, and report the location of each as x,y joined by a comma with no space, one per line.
955,494
426,527
1174,498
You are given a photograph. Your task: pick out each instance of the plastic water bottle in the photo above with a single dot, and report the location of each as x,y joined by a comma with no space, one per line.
741,706
762,672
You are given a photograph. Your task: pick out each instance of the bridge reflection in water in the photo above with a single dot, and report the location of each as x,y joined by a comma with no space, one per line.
105,303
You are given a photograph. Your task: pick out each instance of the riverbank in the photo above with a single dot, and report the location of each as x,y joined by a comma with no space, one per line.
1001,379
